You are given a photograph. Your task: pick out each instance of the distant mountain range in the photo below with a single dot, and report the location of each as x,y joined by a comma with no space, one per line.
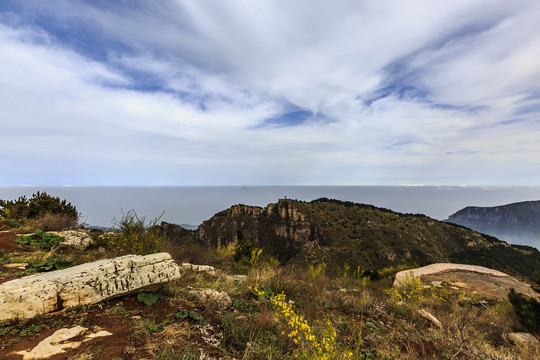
517,223
348,236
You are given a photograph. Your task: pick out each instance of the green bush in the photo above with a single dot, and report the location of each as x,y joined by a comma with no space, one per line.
247,252
526,309
40,204
135,236
41,239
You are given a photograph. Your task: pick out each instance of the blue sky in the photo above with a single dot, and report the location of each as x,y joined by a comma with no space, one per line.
269,92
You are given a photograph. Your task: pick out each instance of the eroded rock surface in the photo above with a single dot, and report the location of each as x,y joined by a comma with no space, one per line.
59,342
220,300
469,278
78,239
84,284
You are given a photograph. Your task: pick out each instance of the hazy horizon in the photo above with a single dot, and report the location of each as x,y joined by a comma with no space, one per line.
194,204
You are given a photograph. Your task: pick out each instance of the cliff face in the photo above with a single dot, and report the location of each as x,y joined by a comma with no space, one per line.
516,223
280,229
349,237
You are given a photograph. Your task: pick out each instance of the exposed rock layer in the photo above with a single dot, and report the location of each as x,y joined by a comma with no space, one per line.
84,284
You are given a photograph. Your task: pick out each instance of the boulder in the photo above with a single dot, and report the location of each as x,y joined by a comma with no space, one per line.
220,300
468,278
445,267
84,284
78,239
521,338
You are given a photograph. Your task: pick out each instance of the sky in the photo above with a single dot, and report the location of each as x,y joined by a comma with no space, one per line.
275,92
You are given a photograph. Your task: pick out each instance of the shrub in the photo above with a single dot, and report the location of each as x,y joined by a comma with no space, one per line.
247,252
135,236
527,310
410,289
53,222
311,344
38,205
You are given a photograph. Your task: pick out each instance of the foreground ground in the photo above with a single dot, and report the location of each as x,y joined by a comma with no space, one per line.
354,317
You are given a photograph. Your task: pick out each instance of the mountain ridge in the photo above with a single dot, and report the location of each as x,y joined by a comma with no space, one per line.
351,236
517,223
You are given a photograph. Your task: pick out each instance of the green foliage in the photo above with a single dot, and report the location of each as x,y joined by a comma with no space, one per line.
119,310
55,262
317,270
152,327
30,330
190,315
150,298
526,309
135,236
247,252
262,292
38,205
41,239
410,289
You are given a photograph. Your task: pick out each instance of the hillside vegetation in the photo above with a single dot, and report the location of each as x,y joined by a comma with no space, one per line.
352,237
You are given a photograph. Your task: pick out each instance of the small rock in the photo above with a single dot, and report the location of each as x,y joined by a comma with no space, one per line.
219,299
436,284
237,277
19,266
98,334
202,268
522,338
430,318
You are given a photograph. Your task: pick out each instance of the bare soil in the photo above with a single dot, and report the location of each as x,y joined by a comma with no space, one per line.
125,342
7,242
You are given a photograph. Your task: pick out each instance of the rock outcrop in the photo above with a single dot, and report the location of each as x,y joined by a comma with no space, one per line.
469,278
84,284
280,228
442,268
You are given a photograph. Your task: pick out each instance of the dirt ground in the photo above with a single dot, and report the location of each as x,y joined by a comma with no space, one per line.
7,242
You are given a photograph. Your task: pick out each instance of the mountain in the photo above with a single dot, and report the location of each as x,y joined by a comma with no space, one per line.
348,236
516,223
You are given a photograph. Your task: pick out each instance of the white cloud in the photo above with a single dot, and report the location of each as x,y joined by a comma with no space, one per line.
223,68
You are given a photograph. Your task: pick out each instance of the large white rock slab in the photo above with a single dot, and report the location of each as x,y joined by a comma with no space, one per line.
445,267
84,284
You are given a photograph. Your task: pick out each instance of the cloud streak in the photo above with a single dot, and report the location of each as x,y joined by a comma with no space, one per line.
264,92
